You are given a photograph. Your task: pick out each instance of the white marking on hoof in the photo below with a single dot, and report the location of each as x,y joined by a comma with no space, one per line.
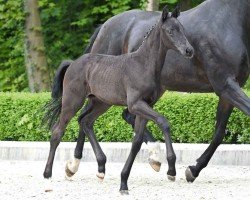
124,192
48,185
155,165
189,175
72,167
171,178
154,149
100,176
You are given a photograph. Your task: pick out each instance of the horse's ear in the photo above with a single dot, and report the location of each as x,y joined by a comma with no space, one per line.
176,12
165,13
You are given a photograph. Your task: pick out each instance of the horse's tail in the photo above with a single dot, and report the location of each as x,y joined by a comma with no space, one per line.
53,107
92,40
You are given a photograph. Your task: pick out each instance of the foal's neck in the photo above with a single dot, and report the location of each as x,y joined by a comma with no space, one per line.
153,51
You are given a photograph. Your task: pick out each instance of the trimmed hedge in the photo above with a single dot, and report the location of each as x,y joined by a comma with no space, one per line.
192,119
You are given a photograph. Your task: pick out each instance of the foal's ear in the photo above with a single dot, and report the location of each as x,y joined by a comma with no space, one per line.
176,12
165,13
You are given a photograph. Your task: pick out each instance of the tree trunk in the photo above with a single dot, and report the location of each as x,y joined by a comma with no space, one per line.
35,58
152,5
186,5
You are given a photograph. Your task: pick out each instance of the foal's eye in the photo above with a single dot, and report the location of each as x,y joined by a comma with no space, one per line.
170,32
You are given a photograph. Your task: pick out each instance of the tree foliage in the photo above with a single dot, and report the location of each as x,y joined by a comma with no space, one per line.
12,70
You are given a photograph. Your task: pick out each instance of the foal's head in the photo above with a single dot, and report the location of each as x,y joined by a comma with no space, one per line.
172,33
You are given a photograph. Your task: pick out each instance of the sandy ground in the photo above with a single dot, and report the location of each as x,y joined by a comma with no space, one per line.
23,180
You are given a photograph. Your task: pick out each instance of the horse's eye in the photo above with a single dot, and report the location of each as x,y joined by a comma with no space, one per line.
170,32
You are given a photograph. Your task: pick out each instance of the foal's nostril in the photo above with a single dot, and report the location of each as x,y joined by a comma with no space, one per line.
189,52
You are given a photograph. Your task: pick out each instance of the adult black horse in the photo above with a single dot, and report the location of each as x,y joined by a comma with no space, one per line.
219,31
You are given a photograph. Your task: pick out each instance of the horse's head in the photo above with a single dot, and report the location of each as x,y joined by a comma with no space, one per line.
172,33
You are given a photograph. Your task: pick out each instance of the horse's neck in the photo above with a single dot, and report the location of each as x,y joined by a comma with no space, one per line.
153,51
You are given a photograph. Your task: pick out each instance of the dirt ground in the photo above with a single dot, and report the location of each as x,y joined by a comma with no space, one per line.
24,180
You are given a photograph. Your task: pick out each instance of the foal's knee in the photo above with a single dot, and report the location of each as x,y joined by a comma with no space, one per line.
133,108
163,123
86,124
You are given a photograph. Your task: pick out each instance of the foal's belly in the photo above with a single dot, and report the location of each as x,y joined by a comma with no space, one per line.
107,85
184,75
112,95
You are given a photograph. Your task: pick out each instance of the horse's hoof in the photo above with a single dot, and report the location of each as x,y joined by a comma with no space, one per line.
171,178
155,165
68,172
100,176
72,167
189,175
124,192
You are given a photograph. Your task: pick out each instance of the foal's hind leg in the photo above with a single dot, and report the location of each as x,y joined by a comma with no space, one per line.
87,122
71,103
223,113
73,165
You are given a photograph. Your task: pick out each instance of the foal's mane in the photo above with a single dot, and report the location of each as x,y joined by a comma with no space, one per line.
147,35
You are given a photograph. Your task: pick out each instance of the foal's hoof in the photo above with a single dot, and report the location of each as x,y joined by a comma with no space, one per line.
47,175
189,175
100,176
155,165
171,178
68,172
124,192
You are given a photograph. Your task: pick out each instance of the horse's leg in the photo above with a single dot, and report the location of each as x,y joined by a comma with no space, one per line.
71,103
225,84
153,146
130,119
140,125
144,110
73,165
87,122
224,110
235,96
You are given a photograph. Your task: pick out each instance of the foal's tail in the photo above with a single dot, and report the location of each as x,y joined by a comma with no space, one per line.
53,107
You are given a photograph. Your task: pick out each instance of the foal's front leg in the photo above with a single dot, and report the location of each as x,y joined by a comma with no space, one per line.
153,146
144,110
140,125
130,119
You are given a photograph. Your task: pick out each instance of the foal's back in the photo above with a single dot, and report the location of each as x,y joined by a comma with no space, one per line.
105,76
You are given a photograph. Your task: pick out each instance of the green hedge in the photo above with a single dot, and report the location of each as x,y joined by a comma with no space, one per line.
192,119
